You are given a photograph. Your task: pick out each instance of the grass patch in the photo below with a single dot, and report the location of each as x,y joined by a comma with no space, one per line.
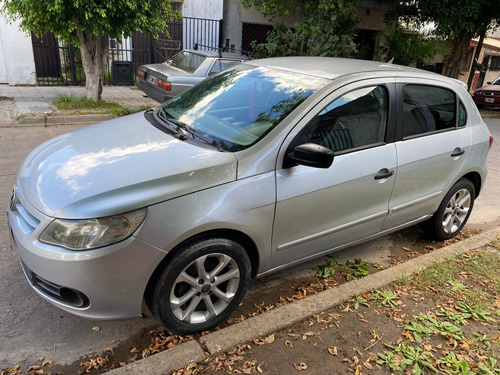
82,103
445,339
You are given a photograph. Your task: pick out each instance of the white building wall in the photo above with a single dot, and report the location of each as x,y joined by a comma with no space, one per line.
202,32
17,63
211,9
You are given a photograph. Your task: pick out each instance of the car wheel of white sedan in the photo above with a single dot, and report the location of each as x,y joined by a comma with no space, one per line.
453,212
201,286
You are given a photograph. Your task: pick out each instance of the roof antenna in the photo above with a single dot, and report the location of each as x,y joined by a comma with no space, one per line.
390,61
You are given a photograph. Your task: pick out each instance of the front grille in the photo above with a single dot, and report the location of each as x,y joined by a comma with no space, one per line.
54,291
491,93
27,221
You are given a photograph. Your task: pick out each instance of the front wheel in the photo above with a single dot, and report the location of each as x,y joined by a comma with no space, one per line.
453,212
201,286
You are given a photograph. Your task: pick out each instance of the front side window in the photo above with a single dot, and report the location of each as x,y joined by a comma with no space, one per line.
239,106
357,119
427,109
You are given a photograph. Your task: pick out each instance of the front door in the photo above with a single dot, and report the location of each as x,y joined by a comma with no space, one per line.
318,210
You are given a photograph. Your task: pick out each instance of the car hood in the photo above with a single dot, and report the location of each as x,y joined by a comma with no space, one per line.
166,70
489,88
117,166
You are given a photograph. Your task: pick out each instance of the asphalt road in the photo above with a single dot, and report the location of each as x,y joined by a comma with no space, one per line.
31,328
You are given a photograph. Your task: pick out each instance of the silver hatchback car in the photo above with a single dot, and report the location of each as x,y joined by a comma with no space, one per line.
261,166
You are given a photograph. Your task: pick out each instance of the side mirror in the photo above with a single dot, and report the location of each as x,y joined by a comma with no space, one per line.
488,83
310,155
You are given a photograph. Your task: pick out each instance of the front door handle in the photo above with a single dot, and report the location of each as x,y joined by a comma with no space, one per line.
383,173
457,152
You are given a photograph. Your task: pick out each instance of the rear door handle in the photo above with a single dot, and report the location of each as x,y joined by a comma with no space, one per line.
383,173
457,152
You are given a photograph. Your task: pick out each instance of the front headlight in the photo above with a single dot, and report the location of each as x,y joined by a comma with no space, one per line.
92,233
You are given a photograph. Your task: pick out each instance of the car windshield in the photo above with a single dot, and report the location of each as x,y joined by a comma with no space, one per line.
187,61
240,106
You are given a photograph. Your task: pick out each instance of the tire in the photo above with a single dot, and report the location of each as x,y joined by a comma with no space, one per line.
453,212
201,286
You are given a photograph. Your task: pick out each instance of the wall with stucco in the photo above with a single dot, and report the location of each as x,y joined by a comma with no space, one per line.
211,9
17,54
370,19
235,15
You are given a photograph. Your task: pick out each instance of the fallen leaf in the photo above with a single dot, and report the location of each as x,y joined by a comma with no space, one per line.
134,350
288,344
300,366
358,370
368,365
96,329
268,340
259,369
47,363
333,351
346,309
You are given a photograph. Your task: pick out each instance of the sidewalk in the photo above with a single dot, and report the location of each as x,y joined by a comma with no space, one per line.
32,105
304,322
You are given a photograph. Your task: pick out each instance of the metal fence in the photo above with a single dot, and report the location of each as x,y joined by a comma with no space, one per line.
60,64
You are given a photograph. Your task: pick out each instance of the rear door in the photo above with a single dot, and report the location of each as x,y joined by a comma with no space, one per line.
433,143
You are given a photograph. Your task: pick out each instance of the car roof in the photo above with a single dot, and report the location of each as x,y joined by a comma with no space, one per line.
333,67
216,54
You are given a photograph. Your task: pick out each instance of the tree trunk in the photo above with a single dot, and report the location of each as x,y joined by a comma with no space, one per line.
460,44
477,54
94,50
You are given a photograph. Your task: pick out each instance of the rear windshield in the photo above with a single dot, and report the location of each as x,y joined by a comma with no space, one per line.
238,107
187,61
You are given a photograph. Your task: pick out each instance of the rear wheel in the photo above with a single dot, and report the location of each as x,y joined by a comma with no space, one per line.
201,286
453,212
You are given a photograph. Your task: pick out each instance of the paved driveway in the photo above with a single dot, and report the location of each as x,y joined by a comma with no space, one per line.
31,328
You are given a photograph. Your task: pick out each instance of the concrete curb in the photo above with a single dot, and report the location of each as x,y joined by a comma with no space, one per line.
280,318
58,120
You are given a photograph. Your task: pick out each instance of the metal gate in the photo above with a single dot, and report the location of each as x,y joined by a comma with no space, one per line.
59,64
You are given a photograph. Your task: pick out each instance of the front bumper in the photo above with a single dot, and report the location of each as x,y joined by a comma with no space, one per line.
105,283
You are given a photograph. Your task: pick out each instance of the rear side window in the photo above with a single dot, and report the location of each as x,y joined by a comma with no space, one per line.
220,65
428,109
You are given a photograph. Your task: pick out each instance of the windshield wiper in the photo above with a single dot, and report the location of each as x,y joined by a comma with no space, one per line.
188,128
174,130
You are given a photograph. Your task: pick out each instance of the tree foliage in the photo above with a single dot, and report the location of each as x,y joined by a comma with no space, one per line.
89,24
457,20
408,47
324,27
